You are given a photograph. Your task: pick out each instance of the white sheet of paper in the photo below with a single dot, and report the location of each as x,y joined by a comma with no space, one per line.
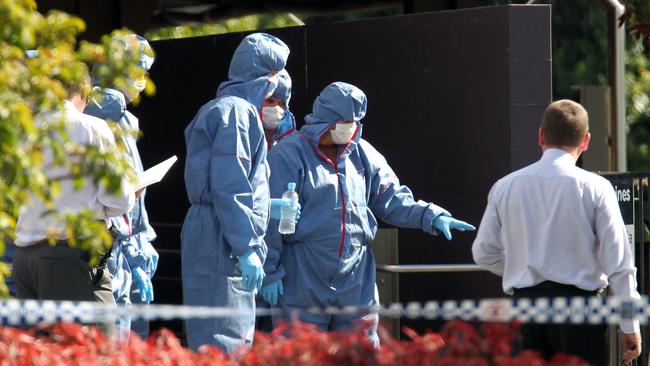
154,174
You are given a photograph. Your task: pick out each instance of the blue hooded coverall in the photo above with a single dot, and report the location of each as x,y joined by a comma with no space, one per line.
327,261
134,234
132,246
286,128
226,177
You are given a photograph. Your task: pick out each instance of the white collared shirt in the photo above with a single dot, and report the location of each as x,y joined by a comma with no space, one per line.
552,221
32,225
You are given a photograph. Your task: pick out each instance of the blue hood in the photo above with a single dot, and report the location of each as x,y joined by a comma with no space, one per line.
142,48
257,56
338,101
283,91
130,42
107,103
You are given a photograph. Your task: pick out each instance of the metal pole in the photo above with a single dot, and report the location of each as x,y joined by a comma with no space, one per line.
428,268
616,51
616,76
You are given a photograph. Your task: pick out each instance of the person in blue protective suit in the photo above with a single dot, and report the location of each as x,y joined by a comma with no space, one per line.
343,183
226,177
133,259
278,123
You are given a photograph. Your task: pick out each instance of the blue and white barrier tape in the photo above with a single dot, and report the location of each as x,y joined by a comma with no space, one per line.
577,310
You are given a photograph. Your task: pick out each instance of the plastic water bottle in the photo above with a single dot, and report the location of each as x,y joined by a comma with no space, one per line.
288,214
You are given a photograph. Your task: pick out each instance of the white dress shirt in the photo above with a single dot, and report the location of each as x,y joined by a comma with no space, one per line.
32,224
554,221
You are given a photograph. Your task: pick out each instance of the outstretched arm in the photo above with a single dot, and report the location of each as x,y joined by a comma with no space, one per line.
487,249
394,203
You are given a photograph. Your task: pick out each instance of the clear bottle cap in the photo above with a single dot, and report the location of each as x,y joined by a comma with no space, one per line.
291,186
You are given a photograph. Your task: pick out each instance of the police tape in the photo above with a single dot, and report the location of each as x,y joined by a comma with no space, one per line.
576,310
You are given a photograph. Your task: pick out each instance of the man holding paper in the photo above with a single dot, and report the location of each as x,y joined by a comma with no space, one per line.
59,271
133,259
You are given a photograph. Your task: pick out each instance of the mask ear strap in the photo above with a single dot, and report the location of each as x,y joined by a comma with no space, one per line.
286,121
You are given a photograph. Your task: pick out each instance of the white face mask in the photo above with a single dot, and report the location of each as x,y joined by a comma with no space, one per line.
343,132
134,86
138,85
271,116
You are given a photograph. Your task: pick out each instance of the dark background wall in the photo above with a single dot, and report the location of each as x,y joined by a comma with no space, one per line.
455,98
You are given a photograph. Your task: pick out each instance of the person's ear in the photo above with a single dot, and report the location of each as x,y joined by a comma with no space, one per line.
584,146
540,137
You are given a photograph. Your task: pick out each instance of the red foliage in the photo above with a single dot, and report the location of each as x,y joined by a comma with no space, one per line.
529,358
562,359
74,344
421,350
304,344
458,344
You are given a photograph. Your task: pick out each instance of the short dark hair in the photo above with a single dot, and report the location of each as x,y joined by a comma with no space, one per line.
564,123
78,85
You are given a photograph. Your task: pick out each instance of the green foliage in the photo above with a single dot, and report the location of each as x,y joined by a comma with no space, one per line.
270,21
579,46
32,88
580,58
637,17
241,24
637,77
353,14
637,80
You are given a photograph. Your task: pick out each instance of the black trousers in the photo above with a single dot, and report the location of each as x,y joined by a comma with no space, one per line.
586,341
59,272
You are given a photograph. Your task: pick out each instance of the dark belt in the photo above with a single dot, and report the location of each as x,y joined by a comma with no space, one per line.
85,255
549,286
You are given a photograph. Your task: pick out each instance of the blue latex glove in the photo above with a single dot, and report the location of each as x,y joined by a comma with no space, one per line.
143,282
152,258
446,223
251,270
272,292
278,203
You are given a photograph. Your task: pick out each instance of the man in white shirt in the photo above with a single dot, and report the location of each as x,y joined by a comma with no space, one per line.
553,229
60,272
